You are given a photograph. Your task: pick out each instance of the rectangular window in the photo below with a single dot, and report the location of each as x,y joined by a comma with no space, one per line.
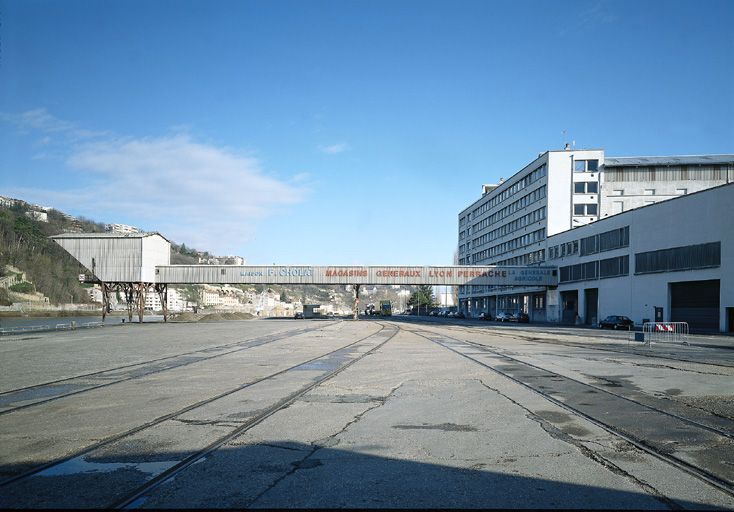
591,209
649,192
614,267
681,191
592,187
679,258
578,209
579,187
579,165
592,165
618,192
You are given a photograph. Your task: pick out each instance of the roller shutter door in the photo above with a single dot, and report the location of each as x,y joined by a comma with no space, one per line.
695,302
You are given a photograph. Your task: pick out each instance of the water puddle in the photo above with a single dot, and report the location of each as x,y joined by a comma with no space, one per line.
79,465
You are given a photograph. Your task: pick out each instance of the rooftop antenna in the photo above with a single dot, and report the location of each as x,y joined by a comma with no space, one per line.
566,145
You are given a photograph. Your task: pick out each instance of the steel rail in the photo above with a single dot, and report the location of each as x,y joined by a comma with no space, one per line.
252,343
130,498
526,337
156,421
702,474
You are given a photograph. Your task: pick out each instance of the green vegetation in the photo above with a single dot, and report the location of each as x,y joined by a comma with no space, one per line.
24,243
22,287
422,297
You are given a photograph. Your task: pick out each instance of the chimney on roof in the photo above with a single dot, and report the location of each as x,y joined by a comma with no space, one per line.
567,147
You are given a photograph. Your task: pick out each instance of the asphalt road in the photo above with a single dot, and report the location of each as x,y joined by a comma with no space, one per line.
375,413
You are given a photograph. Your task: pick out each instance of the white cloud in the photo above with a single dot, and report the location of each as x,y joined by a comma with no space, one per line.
207,196
335,148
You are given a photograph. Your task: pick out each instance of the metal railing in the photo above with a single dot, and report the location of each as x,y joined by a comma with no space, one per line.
45,327
665,332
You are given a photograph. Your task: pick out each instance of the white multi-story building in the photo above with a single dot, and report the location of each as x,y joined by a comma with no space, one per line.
508,225
174,299
557,192
121,228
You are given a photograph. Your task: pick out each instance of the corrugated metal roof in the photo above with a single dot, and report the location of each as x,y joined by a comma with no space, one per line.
108,235
640,161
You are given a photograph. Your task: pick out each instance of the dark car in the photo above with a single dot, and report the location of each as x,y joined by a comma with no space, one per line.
521,318
298,315
485,316
616,322
459,314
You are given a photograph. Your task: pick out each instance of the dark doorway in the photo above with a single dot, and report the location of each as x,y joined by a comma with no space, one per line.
730,317
695,302
569,306
591,306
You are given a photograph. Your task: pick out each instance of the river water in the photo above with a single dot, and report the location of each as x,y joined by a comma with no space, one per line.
51,322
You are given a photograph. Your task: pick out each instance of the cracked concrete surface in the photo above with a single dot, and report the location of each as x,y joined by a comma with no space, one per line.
410,425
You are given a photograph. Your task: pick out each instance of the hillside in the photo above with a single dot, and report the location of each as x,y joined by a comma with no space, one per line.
24,244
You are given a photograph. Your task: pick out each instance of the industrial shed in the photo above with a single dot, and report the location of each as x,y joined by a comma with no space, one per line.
124,262
118,257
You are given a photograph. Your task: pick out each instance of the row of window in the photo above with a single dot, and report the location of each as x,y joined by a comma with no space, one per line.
523,202
689,257
562,250
673,173
510,227
598,269
510,245
531,258
607,241
679,258
510,191
586,165
586,209
586,187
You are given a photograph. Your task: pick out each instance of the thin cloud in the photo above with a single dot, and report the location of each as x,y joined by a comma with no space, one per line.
335,148
41,120
205,195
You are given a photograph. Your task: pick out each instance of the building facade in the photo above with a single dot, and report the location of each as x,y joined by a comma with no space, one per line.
676,255
558,192
509,224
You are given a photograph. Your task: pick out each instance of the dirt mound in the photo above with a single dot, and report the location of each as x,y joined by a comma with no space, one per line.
210,317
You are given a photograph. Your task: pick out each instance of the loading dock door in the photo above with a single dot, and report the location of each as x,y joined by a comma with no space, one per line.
695,302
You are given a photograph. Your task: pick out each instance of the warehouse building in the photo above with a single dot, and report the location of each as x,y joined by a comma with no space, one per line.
676,255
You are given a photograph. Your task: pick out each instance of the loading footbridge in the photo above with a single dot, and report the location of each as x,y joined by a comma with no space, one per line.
138,263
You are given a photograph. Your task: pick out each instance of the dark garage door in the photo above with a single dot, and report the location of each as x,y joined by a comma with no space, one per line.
695,302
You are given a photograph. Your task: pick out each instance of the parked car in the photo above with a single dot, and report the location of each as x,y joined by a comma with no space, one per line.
616,322
459,314
503,317
520,317
485,316
298,315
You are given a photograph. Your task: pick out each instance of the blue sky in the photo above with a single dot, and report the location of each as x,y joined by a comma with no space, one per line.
326,132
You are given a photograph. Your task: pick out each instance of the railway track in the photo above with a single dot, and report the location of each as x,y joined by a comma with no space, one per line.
650,429
522,335
38,394
326,365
